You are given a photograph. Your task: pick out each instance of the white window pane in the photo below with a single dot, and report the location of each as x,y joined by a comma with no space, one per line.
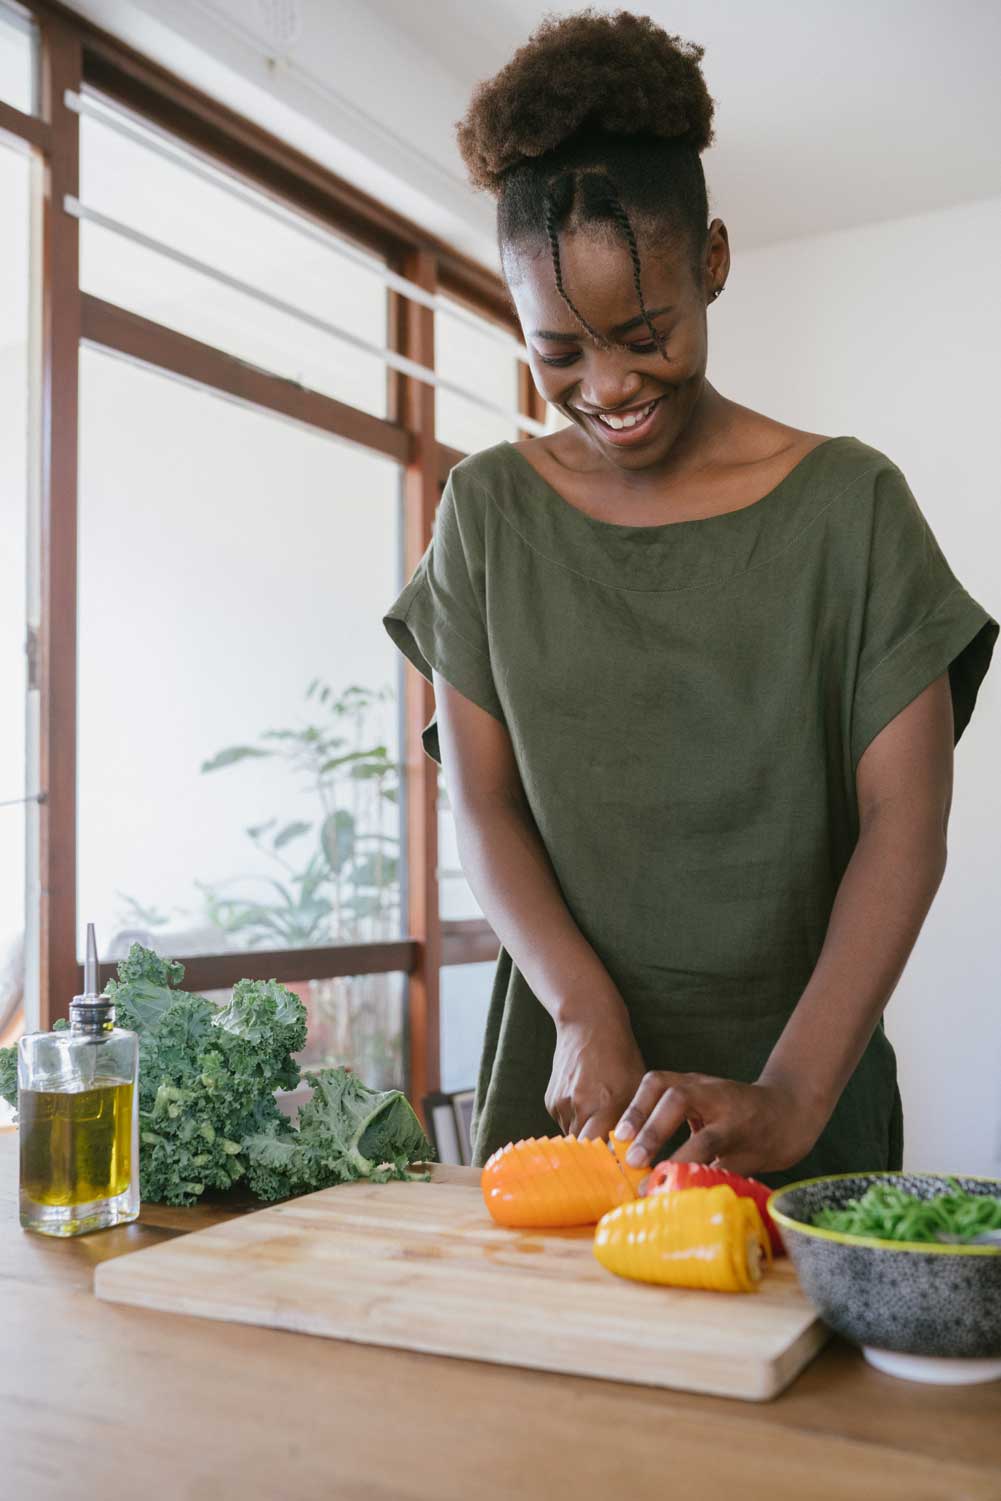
15,214
455,899
18,54
239,236
475,361
464,999
356,1021
228,560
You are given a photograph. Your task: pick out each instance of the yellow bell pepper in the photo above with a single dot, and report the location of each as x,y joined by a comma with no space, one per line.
697,1237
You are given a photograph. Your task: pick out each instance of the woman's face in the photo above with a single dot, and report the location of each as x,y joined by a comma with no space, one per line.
583,380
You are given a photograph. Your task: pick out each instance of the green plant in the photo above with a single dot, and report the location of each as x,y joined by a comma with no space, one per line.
346,889
335,874
133,912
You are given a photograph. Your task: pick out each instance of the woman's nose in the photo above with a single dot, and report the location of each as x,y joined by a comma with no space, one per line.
611,387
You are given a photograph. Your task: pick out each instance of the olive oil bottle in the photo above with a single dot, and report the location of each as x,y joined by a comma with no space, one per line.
77,1102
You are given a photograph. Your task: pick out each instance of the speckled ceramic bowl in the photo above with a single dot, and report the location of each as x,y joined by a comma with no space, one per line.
926,1311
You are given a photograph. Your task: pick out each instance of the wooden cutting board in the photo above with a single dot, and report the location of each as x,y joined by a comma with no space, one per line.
422,1266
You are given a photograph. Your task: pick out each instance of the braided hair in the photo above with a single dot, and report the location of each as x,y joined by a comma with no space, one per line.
598,120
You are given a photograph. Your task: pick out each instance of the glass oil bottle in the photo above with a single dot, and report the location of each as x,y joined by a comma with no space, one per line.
77,1101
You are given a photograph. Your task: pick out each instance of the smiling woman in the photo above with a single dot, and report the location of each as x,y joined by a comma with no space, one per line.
667,643
602,227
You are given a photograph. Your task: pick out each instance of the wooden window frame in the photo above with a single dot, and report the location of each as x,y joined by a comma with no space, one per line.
73,54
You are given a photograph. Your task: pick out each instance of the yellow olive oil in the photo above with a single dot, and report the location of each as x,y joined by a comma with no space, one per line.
78,1118
76,1145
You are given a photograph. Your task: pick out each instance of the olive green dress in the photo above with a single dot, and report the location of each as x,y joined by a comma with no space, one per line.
688,704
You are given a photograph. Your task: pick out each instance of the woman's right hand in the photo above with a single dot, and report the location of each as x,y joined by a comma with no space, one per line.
597,1069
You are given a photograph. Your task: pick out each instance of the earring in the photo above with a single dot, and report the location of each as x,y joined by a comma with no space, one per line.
718,290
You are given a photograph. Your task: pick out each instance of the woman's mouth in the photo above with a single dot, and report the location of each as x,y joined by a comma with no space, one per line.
629,427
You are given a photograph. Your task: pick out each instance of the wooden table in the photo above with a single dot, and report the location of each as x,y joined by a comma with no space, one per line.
109,1402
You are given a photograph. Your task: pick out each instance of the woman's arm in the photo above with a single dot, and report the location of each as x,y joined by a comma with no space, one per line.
904,782
598,1065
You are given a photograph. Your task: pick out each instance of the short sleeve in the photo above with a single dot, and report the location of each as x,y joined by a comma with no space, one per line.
918,619
439,620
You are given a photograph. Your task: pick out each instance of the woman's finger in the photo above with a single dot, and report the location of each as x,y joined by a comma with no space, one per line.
559,1112
665,1118
600,1124
638,1111
705,1145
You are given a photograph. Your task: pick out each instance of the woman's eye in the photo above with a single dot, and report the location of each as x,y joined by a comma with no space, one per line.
649,347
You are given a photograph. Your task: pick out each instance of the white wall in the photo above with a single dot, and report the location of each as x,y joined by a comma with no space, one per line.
892,333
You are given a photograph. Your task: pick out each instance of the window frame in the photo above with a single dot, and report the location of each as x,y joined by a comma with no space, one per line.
73,54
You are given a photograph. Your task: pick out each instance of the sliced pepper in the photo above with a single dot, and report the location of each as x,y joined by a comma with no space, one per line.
634,1175
556,1181
708,1238
671,1176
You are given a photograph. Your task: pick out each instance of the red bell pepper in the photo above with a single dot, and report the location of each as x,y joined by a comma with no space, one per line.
669,1177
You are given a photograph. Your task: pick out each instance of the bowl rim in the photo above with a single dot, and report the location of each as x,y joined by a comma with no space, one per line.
843,1238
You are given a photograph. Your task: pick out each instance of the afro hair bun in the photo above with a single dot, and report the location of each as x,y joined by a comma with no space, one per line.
621,74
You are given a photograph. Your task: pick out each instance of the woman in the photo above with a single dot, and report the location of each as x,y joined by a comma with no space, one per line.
698,673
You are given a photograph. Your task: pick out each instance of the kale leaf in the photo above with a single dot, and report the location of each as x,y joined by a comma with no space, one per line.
345,1130
207,1076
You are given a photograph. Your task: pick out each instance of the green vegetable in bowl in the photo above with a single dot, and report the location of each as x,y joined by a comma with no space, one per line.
886,1212
208,1117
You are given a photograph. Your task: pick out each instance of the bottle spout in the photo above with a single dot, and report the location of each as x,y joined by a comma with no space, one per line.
90,970
91,1010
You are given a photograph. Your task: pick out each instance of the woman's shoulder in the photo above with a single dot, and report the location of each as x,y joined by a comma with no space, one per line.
771,442
830,464
465,510
481,469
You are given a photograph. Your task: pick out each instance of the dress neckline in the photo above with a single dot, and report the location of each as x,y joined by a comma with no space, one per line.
663,526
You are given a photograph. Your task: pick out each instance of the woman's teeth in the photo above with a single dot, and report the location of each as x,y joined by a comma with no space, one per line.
629,420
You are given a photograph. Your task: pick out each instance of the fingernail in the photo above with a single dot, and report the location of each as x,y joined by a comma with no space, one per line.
636,1157
624,1131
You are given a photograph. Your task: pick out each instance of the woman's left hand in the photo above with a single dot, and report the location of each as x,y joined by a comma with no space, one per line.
748,1128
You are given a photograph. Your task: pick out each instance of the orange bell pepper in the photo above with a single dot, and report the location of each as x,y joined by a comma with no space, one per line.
557,1181
707,1238
635,1175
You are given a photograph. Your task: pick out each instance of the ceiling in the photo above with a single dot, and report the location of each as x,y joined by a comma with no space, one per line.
827,116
